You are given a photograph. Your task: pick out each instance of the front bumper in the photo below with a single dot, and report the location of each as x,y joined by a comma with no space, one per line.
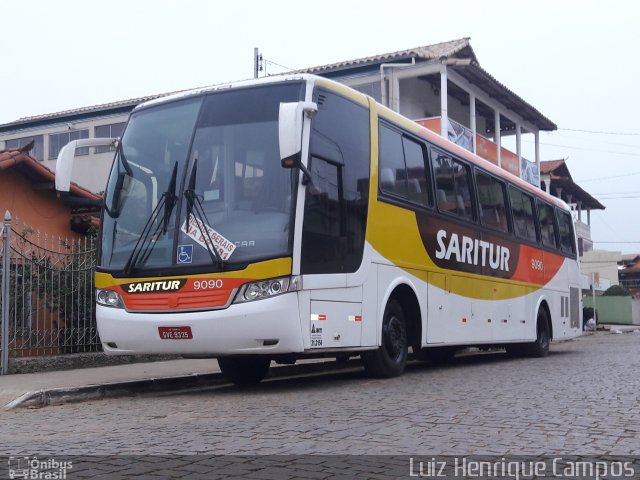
270,326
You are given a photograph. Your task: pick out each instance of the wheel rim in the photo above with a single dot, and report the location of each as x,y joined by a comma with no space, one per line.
394,339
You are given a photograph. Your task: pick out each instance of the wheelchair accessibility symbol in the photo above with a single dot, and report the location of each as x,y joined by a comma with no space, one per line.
185,254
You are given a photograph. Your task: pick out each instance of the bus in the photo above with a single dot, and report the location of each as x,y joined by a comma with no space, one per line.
293,217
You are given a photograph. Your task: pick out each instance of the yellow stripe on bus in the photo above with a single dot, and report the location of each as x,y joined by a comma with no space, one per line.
268,269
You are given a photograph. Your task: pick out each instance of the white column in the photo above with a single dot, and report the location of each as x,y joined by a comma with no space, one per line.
536,135
444,116
395,99
472,119
519,148
579,204
496,136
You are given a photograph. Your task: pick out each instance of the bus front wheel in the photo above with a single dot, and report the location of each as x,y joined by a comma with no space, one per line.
390,358
244,370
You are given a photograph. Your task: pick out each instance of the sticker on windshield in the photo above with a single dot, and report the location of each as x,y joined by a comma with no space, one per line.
203,234
184,254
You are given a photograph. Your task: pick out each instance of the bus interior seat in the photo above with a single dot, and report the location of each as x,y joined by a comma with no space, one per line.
387,179
461,208
415,192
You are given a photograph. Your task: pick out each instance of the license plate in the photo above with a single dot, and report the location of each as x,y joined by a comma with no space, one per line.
175,333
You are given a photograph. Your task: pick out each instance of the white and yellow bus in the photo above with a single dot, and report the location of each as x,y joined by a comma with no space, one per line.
293,217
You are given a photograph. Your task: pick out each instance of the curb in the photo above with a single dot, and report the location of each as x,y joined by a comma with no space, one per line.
85,393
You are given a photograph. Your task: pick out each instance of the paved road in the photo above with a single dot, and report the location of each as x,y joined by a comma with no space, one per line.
584,398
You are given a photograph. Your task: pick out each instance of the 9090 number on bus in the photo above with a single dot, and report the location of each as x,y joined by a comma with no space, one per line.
211,284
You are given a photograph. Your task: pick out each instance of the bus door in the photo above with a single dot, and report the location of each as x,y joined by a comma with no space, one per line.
335,216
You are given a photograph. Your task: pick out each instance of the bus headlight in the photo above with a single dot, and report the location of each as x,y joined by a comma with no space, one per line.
109,298
267,288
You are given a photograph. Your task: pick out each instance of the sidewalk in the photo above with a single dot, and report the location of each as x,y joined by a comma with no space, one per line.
14,386
84,384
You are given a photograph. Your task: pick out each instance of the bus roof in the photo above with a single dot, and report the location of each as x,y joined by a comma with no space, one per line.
385,112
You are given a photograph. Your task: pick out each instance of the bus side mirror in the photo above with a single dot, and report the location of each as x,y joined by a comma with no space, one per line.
64,163
290,123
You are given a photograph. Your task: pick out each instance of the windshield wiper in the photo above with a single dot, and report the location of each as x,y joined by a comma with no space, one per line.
171,199
142,249
194,205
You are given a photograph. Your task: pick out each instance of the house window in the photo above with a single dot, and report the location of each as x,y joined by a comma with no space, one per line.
59,140
36,152
113,130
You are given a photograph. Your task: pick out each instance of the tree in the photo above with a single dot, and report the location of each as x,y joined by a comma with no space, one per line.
616,291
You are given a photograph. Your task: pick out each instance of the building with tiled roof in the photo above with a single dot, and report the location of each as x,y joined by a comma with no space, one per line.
27,191
441,86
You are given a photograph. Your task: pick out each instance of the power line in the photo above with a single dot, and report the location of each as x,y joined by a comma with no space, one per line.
616,193
586,149
616,198
278,65
582,139
607,178
618,241
600,132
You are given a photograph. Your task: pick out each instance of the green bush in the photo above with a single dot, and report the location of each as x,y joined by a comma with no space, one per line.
616,291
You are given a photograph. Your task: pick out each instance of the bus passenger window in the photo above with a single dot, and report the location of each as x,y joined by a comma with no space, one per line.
393,173
453,186
565,228
524,223
547,225
414,155
402,167
491,194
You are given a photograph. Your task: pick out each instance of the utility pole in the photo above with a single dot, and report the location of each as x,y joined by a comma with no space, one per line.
257,62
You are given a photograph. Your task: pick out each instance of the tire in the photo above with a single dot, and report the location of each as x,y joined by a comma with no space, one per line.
437,355
540,348
244,370
390,358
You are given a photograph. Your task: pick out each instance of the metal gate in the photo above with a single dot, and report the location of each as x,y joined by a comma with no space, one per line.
46,295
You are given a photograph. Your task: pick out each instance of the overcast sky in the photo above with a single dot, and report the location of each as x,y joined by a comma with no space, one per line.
575,61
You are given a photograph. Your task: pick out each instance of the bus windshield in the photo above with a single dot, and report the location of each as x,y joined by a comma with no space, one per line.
201,174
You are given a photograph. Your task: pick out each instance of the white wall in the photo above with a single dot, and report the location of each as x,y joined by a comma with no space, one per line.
90,171
417,100
603,262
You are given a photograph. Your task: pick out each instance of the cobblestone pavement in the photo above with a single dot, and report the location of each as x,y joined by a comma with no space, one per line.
582,399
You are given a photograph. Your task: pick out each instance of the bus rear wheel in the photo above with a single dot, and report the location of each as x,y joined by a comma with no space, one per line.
244,370
390,358
540,348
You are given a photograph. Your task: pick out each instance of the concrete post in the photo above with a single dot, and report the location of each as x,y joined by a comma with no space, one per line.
4,295
444,115
496,135
472,120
